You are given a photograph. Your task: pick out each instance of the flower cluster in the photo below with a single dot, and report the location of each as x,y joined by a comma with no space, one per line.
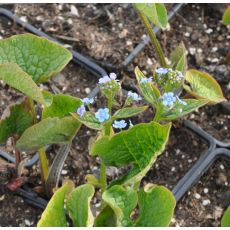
134,96
119,124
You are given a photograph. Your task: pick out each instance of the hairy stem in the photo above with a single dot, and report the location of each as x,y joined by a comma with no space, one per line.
43,163
42,154
153,39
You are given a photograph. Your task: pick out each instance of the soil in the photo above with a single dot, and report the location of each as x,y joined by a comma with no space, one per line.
108,33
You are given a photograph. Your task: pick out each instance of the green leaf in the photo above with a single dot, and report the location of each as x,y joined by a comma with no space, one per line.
129,112
106,218
203,86
78,206
38,57
62,106
49,131
155,12
17,120
226,17
54,214
122,202
138,146
148,90
14,76
48,97
178,58
180,110
89,120
156,206
225,221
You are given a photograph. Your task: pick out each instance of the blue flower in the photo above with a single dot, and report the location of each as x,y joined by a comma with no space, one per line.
168,99
87,100
161,71
112,76
134,96
146,80
119,124
180,101
81,110
102,114
104,80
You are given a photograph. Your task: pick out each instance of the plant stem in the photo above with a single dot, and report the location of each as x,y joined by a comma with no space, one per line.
153,39
157,115
42,154
103,177
43,163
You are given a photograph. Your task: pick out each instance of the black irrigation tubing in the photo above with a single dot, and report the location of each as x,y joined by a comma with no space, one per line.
217,149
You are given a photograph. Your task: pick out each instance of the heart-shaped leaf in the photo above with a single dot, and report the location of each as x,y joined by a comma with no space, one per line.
17,120
156,206
120,150
14,76
203,86
225,221
89,120
54,214
226,17
106,218
122,202
155,12
61,106
180,110
129,112
148,90
38,57
78,206
178,58
49,131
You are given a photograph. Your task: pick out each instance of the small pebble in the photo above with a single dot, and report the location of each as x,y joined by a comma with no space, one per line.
209,31
205,190
197,196
206,202
87,90
222,167
173,169
187,34
64,172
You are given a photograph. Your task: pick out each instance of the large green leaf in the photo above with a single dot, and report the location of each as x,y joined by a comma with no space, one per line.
180,110
54,214
38,57
106,218
18,119
138,146
122,202
148,90
89,120
226,17
49,131
62,106
78,206
178,58
156,206
203,86
225,221
14,76
155,12
129,112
